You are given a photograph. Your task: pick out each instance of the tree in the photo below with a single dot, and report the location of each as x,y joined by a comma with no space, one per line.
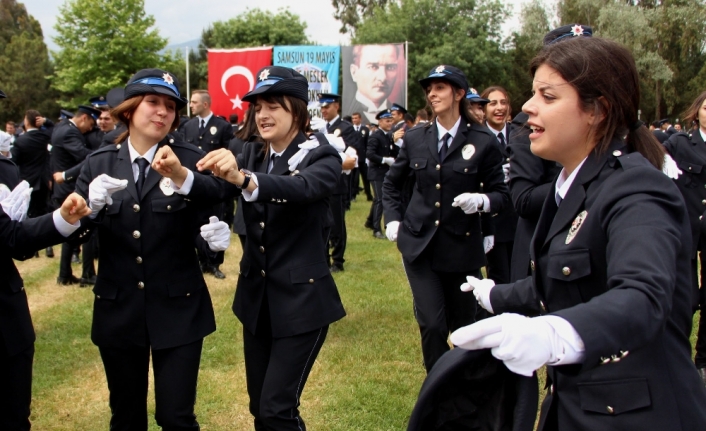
255,27
24,64
352,12
103,42
463,33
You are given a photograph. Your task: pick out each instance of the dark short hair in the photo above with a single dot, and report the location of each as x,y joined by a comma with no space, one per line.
233,118
423,114
356,113
31,116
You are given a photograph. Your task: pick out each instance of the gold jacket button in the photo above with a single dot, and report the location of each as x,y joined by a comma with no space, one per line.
188,294
532,265
468,234
566,271
169,207
140,285
465,170
136,208
262,249
98,297
438,186
262,272
118,146
438,167
542,307
610,409
416,165
703,201
551,389
436,223
617,153
138,259
262,225
311,281
136,234
437,204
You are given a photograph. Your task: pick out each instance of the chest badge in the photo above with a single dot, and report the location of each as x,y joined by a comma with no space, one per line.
213,130
165,185
468,151
576,225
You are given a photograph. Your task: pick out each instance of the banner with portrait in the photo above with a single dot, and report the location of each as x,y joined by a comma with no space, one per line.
374,77
319,64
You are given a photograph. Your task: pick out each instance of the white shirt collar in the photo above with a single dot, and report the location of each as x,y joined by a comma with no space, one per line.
334,120
451,131
272,151
370,104
503,130
703,135
206,119
563,183
149,155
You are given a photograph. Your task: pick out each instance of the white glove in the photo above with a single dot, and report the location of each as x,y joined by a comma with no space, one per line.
216,233
670,167
506,172
16,203
318,123
524,344
336,142
4,191
488,243
468,202
481,290
388,160
391,230
101,189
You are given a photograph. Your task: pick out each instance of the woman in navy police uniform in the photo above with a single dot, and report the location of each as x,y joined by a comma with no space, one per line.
439,234
286,297
610,296
150,295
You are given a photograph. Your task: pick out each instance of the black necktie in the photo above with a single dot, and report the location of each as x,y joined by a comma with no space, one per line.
444,147
273,161
202,126
142,166
327,126
501,139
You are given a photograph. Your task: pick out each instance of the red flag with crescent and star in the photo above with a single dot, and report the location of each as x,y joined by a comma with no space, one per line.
231,75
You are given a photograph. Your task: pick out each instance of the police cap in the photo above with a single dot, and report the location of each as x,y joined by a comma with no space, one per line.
567,32
279,80
385,113
396,107
151,81
326,99
473,96
448,73
98,101
90,110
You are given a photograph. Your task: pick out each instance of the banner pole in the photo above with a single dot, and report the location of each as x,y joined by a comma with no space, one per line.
406,59
188,86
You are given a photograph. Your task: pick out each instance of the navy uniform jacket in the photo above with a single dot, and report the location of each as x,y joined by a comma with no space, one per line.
20,241
505,222
236,147
690,155
362,145
149,288
94,138
287,230
430,220
379,145
531,180
30,153
217,133
350,139
9,173
68,150
614,261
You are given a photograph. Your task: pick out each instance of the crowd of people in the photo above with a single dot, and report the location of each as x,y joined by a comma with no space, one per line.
567,236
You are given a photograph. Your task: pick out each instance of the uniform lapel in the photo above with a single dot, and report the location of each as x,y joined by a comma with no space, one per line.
431,136
123,170
153,176
460,138
282,166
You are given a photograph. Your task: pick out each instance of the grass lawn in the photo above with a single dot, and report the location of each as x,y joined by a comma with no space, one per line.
367,376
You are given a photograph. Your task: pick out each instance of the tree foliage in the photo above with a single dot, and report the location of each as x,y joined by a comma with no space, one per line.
103,42
463,33
352,12
24,64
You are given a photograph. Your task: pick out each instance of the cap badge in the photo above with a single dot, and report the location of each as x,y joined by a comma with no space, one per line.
577,30
440,69
468,151
168,78
264,74
576,225
474,91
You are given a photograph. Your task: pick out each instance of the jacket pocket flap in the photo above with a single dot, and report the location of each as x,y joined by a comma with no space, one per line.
16,284
413,224
168,204
244,268
113,208
463,167
691,168
185,287
569,265
615,397
105,289
418,163
305,274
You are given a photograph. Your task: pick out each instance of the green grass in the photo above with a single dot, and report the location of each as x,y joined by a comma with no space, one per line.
367,376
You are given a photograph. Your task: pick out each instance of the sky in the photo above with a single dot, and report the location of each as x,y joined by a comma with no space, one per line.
183,20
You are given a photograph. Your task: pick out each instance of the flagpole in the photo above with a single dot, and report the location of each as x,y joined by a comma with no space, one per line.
406,59
188,86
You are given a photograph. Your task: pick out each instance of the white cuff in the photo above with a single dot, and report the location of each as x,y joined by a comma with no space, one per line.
63,175
484,298
486,203
65,228
573,347
185,188
252,196
399,142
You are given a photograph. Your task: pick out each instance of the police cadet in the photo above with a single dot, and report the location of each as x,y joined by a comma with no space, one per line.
95,136
398,120
330,105
608,307
361,172
20,241
690,155
286,297
440,235
476,105
381,153
150,295
208,132
69,148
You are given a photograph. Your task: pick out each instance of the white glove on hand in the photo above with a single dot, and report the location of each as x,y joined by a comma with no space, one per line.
670,167
318,123
16,203
524,344
468,202
481,290
506,172
336,142
388,160
488,243
216,233
391,230
101,189
4,191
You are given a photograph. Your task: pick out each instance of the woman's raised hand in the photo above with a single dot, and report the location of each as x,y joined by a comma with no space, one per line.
167,164
223,164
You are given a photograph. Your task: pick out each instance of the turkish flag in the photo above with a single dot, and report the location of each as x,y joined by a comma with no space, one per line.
231,75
